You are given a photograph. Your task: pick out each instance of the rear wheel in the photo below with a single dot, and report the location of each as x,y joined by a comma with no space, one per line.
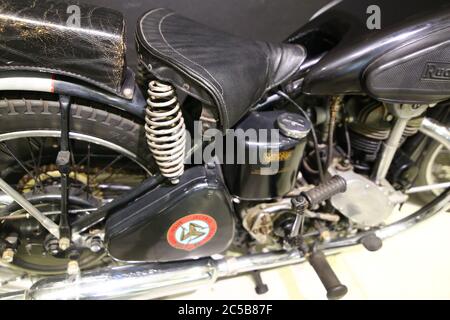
109,157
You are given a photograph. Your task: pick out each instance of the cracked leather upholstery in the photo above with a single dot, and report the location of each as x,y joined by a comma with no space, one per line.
37,35
215,67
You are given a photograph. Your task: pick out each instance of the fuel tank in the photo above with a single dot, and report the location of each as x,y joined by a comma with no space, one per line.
407,60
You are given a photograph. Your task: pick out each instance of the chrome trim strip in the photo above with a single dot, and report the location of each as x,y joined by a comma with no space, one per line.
325,8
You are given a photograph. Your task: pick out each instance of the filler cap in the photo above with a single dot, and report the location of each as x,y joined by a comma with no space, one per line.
293,125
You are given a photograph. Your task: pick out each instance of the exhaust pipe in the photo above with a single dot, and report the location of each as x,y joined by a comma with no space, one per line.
436,131
151,281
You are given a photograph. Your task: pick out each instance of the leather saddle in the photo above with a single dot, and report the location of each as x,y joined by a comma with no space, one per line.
41,36
217,68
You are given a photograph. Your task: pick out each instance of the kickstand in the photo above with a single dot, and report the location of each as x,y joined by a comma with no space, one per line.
261,287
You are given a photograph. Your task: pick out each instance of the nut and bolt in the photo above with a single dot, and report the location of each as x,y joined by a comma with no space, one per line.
64,244
96,245
128,93
53,248
8,255
73,268
236,200
325,235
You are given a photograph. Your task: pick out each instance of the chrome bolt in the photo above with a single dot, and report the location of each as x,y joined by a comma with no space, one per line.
64,244
96,245
325,235
73,268
8,255
128,93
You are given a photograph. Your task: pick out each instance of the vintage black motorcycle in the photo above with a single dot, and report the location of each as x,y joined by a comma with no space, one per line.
99,185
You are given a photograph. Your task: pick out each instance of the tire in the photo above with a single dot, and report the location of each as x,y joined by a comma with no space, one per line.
423,177
39,114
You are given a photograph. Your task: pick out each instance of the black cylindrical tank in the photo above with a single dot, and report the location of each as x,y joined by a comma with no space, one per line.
278,140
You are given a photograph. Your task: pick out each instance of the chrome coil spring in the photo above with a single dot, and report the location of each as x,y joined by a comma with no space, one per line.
165,129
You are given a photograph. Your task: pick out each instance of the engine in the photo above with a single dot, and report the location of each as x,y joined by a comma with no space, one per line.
369,124
363,126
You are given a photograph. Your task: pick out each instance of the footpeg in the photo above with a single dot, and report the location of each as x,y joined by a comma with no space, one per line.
335,289
371,242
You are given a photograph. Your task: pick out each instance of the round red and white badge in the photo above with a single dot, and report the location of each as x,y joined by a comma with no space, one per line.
192,232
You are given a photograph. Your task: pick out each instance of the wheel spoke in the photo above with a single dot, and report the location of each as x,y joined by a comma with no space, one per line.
88,184
41,152
5,147
119,157
36,167
116,172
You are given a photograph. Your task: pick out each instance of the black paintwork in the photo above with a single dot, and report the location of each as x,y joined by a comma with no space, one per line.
139,231
414,73
262,180
36,36
135,106
351,46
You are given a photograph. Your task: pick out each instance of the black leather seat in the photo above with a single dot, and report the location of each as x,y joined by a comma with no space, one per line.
213,66
36,36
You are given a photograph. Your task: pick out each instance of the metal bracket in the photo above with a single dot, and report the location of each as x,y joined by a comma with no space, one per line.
299,205
63,163
406,111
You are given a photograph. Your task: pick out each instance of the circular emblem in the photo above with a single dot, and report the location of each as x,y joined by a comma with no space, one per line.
191,232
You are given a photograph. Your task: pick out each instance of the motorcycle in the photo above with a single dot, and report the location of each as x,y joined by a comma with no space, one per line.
123,185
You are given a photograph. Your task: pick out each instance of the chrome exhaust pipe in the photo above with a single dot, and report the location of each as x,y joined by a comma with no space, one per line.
436,131
151,281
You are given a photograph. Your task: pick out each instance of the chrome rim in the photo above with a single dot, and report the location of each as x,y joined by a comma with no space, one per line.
438,168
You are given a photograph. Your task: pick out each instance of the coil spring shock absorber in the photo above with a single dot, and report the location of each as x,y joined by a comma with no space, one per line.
165,129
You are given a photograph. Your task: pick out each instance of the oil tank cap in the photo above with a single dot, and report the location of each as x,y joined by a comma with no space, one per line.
293,125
